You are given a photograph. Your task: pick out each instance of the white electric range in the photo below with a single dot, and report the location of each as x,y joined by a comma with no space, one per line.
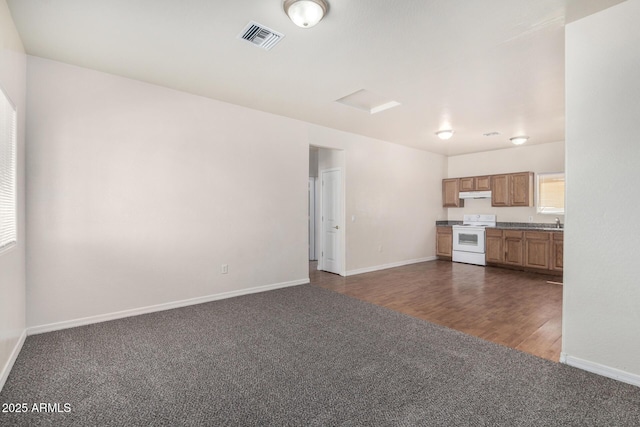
469,239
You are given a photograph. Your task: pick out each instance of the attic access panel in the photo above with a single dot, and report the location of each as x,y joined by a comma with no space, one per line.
368,101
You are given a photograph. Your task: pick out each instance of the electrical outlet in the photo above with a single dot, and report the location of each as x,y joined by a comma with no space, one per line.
224,269
530,218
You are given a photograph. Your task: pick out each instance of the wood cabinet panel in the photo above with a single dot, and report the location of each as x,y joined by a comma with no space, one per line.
557,251
444,241
537,249
475,183
512,189
500,190
467,184
451,193
494,246
521,189
513,247
483,183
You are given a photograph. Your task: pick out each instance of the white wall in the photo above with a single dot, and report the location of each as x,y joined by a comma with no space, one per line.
393,191
538,158
139,193
12,263
602,292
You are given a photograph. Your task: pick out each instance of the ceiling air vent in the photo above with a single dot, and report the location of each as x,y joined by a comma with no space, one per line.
260,36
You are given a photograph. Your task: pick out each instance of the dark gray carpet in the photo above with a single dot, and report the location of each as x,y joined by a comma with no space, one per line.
299,356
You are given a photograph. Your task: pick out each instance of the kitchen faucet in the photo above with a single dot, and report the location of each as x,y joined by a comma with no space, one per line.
557,222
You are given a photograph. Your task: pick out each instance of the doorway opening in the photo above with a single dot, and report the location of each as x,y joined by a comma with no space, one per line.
327,239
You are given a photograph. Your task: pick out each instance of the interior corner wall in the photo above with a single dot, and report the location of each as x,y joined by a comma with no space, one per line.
12,262
138,195
601,315
537,158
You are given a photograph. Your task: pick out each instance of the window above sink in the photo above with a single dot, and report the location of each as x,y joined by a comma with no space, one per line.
550,193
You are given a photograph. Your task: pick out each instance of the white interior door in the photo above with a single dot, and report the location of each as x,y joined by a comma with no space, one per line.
332,225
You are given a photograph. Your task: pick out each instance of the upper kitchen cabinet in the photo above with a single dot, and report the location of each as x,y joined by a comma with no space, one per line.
475,183
467,184
513,189
483,183
451,193
521,189
500,190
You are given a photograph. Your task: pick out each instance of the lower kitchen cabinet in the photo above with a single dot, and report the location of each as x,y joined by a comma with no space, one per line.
513,247
444,242
537,249
531,250
494,248
557,251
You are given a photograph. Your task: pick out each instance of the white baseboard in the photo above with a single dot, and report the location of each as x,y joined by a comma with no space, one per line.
597,368
33,330
391,265
4,374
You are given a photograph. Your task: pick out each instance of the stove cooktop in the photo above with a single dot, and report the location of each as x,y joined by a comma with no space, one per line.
479,221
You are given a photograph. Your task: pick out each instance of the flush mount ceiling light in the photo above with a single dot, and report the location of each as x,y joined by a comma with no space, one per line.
519,140
444,134
305,13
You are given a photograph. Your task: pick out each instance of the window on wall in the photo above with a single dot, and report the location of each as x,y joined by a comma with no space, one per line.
550,189
8,215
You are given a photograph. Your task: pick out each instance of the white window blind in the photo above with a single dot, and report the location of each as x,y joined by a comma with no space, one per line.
7,172
551,193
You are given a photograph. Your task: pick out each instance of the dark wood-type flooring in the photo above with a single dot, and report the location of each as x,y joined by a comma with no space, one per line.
516,309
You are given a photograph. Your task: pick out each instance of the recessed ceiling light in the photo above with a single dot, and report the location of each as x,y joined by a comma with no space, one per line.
445,134
519,140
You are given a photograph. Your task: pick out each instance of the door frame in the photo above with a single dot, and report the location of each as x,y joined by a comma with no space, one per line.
342,239
313,256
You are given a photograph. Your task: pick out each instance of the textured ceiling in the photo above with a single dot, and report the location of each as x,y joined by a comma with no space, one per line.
476,66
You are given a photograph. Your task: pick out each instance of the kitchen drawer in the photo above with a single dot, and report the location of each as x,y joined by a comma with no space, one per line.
537,235
513,233
493,232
